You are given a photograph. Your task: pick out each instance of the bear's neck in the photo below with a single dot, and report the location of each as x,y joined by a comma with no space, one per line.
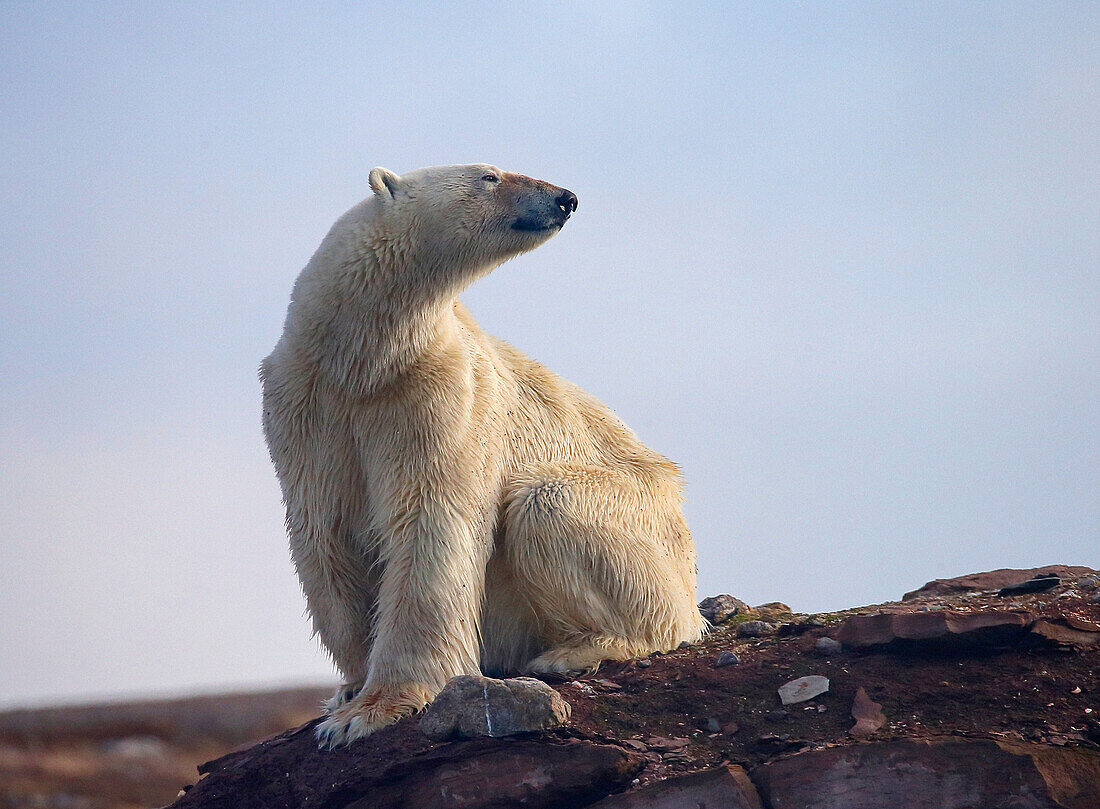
366,327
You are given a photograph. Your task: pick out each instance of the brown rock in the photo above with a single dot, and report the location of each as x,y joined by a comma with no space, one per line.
933,774
1083,624
868,715
1063,632
939,627
289,771
663,745
725,787
522,773
994,580
772,611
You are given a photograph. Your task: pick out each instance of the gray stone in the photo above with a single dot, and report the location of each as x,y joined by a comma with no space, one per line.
803,688
828,646
772,611
718,609
726,658
1090,582
754,629
644,664
471,706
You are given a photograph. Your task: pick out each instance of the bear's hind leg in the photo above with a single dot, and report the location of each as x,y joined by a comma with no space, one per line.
606,561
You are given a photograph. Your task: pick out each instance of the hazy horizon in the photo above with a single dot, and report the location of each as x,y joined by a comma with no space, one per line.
840,263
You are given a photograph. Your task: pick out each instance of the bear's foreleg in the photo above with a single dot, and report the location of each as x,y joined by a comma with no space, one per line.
426,619
339,581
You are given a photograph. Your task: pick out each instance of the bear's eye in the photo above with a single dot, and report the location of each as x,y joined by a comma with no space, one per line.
490,178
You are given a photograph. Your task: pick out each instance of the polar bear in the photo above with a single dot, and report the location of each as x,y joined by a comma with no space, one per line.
453,506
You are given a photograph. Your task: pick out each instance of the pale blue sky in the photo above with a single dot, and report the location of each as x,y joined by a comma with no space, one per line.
839,261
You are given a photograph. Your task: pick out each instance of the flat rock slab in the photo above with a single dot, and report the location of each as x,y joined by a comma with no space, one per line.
470,706
289,771
485,775
994,580
1068,631
721,788
933,774
937,627
803,688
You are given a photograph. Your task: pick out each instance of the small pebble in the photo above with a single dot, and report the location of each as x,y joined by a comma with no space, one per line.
713,725
644,664
686,644
726,658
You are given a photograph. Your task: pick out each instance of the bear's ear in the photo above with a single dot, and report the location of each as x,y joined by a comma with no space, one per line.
384,182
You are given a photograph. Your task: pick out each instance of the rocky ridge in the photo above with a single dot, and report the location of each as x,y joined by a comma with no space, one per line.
983,694
980,691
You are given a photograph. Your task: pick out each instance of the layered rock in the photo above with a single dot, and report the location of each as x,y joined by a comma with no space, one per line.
933,774
994,580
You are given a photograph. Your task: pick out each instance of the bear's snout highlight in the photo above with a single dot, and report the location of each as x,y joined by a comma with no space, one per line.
541,206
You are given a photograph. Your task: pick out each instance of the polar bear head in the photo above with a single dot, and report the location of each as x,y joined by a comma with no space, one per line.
461,221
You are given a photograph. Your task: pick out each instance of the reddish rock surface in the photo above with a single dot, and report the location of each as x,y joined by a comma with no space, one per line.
933,774
727,787
868,715
666,717
944,627
405,771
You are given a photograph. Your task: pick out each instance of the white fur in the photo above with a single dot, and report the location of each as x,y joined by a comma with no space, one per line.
452,505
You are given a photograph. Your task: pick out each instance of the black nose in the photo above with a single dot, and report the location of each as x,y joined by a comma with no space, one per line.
567,201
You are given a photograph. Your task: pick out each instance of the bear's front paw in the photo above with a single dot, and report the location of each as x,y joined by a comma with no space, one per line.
371,709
